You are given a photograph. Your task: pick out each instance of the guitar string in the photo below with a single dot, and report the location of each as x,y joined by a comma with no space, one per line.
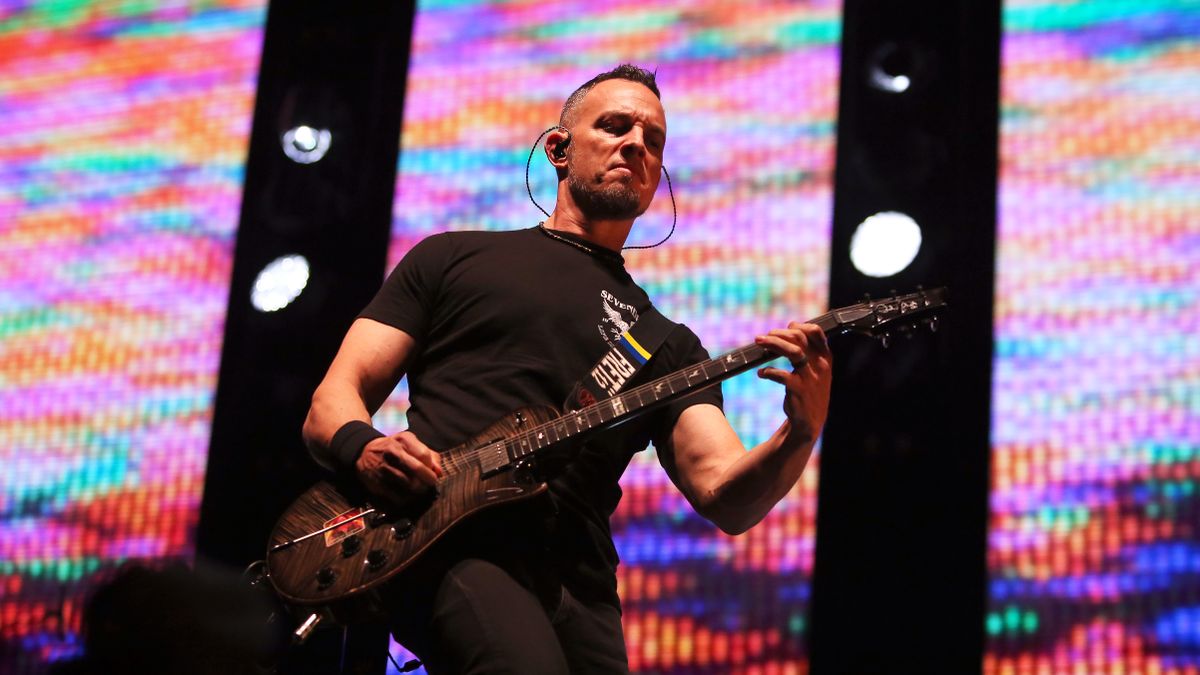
457,463
466,459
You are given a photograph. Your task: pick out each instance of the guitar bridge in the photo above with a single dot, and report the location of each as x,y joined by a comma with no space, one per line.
493,458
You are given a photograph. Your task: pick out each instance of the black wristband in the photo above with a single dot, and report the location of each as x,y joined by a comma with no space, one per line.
348,441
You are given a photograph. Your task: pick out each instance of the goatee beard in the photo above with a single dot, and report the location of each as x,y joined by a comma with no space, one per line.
615,201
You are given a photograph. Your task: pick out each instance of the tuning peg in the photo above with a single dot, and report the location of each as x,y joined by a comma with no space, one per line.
933,324
886,340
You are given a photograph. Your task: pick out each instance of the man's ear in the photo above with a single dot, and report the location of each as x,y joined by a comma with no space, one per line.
556,148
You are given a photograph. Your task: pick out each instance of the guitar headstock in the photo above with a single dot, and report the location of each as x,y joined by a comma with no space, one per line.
888,317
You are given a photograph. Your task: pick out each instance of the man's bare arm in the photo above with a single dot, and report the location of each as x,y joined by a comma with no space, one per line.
369,364
733,488
372,359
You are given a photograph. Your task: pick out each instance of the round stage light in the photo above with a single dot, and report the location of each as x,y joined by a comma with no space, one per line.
305,145
893,83
885,243
892,67
279,283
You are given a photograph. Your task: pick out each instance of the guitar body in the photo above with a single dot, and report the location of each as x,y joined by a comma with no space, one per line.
346,568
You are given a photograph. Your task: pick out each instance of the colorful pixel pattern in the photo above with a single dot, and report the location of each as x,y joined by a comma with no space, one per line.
750,90
1094,549
123,132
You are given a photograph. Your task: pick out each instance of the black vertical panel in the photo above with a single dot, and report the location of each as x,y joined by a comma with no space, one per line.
900,572
339,67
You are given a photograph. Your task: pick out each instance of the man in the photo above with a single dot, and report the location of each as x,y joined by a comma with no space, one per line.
483,323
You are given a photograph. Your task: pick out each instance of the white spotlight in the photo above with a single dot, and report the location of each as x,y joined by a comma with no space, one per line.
895,66
885,244
305,145
279,283
895,84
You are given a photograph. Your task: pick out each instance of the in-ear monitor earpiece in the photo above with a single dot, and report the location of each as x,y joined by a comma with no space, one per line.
560,148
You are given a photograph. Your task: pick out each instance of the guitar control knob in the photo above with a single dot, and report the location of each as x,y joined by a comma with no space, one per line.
325,577
402,528
376,558
351,545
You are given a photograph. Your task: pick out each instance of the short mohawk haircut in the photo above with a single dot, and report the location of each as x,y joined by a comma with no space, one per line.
625,71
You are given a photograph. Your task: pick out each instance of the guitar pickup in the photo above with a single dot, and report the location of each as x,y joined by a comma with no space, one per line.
493,458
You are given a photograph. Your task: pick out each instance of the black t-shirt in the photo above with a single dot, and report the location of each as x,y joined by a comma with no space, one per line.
504,320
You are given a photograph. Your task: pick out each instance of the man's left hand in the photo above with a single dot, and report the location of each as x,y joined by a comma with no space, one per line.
806,387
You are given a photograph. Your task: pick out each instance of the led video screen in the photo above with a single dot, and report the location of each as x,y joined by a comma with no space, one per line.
123,133
124,129
1094,553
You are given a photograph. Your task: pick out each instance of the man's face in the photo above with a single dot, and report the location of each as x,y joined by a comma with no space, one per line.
616,150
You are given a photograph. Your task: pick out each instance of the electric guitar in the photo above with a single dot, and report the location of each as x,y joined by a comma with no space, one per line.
333,551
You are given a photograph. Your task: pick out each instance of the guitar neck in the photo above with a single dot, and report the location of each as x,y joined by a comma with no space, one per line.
612,411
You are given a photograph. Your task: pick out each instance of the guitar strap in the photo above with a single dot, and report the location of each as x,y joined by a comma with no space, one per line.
621,363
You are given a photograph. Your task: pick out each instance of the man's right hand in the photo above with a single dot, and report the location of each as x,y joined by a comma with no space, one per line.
397,467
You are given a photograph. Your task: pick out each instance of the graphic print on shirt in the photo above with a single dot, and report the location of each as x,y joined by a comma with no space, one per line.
614,369
617,317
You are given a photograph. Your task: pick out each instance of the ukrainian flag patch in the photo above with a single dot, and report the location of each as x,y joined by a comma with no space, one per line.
635,350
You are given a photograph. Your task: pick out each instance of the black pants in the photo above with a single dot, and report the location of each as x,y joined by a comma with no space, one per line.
480,620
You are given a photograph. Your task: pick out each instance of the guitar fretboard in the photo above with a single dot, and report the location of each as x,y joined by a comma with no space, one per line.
617,409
